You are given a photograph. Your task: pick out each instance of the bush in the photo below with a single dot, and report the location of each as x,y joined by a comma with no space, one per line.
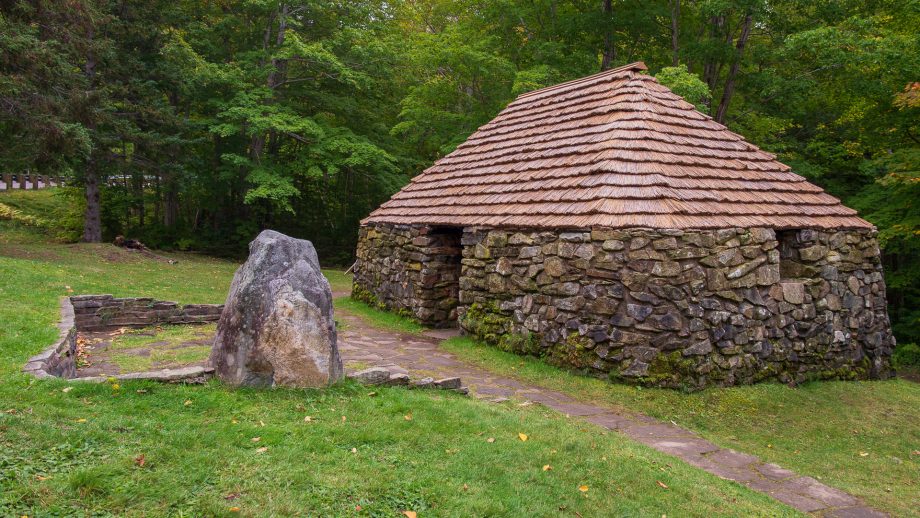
907,355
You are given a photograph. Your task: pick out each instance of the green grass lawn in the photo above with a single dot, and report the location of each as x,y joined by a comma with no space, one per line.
144,449
862,437
377,318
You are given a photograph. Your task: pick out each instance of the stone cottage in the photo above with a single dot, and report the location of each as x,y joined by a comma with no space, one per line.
607,226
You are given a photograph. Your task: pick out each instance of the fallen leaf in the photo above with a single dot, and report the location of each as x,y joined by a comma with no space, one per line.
357,508
371,394
547,467
343,419
466,487
256,439
81,420
490,439
522,436
662,484
583,489
234,421
410,514
263,449
66,389
115,386
915,452
525,403
140,460
141,391
407,417
354,450
188,402
234,509
261,423
231,497
863,454
41,478
307,419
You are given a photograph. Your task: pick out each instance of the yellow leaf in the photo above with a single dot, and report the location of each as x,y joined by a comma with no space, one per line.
263,449
547,467
115,386
234,509
234,421
343,419
81,420
407,417
354,450
863,454
662,484
256,439
410,514
66,389
261,423
188,402
522,436
307,419
371,394
490,439
583,489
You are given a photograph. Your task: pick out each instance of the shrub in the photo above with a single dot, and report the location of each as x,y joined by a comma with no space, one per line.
907,355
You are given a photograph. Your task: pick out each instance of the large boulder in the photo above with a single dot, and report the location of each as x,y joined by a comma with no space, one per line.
277,327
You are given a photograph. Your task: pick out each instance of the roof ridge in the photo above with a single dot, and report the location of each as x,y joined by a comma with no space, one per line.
638,66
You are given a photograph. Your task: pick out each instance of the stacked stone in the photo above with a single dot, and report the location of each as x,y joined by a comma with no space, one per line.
103,312
413,270
685,309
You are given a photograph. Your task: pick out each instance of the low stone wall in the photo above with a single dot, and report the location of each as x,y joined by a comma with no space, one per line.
59,359
103,312
413,271
682,309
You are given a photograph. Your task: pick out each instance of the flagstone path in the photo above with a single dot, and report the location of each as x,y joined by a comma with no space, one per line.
362,346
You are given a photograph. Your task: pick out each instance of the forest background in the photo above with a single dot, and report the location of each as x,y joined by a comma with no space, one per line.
193,124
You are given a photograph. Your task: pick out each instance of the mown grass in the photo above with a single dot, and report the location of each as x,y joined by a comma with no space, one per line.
165,336
862,437
160,358
151,450
376,317
162,344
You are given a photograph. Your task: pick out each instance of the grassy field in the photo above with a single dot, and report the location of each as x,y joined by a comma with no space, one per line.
863,437
141,449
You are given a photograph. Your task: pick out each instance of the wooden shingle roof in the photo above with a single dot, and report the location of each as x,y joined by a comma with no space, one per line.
615,149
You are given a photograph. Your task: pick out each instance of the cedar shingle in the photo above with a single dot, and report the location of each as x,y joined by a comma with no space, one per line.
616,149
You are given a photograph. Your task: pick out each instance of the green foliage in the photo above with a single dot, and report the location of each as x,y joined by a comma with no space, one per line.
208,122
687,85
907,355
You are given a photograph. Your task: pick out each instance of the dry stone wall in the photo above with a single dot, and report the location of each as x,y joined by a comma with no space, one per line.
102,312
413,270
682,309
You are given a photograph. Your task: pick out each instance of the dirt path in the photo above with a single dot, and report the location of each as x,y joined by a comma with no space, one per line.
363,346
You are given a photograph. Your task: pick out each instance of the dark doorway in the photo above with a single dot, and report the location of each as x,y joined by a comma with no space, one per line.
441,275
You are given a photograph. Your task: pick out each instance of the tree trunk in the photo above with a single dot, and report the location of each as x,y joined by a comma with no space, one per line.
92,217
610,52
675,16
171,214
92,222
729,89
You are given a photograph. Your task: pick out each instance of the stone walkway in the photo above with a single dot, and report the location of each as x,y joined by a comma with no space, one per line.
363,346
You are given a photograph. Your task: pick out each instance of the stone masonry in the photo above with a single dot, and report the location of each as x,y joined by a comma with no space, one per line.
671,308
102,312
412,270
